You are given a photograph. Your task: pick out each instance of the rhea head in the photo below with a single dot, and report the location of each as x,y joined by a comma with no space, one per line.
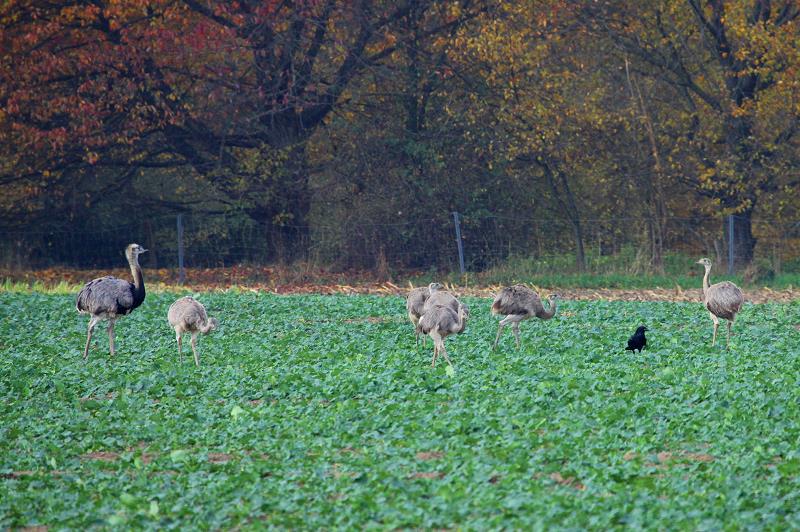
133,251
705,262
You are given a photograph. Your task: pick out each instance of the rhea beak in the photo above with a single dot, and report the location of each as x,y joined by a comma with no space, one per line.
699,262
143,250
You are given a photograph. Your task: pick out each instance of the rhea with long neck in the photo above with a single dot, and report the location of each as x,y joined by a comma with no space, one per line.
109,298
132,254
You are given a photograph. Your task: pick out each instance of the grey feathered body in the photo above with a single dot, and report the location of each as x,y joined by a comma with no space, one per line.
724,300
415,302
519,300
189,315
442,319
109,297
442,299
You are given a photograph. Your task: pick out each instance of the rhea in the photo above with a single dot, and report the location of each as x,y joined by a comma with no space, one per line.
519,303
109,298
439,322
444,299
189,315
415,303
723,300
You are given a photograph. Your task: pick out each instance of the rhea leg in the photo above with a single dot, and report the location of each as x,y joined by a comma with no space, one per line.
194,349
92,322
500,328
436,342
515,328
444,354
111,335
424,339
414,321
728,341
716,325
178,337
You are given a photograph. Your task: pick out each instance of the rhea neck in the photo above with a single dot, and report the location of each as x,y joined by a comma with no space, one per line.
138,280
549,313
462,321
705,279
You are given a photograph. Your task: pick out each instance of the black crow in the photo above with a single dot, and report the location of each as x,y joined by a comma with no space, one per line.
637,341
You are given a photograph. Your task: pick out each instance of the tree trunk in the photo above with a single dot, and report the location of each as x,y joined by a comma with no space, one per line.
295,233
580,254
569,205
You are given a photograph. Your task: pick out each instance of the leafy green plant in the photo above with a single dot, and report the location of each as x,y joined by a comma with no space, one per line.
319,412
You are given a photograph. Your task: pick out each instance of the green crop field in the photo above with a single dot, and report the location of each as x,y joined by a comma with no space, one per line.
313,412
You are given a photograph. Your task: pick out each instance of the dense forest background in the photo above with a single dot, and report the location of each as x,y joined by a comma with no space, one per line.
347,133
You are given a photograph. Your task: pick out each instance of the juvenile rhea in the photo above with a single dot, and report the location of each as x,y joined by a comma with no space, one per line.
189,315
109,298
723,300
440,322
415,303
520,303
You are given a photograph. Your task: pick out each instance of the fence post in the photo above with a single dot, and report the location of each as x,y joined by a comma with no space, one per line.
730,244
181,270
459,242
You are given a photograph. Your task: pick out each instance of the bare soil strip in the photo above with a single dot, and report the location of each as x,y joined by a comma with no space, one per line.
276,281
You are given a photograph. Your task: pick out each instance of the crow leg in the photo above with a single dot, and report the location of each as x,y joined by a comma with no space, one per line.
92,323
194,349
111,336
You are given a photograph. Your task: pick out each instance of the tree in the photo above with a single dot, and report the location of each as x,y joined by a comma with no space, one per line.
732,67
230,89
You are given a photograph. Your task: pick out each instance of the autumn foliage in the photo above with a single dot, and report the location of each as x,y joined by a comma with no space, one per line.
317,113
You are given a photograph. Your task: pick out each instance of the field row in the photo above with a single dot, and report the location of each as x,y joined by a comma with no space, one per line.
318,412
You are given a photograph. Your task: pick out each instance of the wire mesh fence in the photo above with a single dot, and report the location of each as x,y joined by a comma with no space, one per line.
486,241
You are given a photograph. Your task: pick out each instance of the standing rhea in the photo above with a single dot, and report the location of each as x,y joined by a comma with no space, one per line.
440,322
723,300
415,303
108,298
189,315
519,303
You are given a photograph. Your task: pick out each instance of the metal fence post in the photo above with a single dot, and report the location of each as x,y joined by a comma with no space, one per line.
459,242
730,244
181,270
